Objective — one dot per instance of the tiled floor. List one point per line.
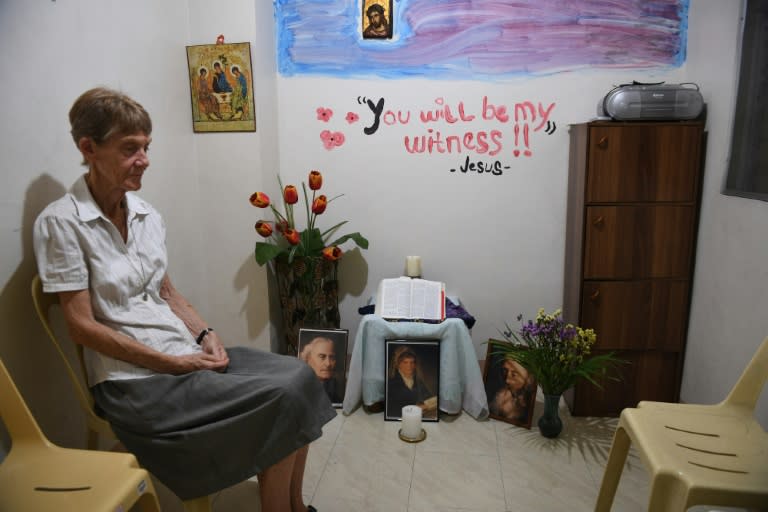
(464, 465)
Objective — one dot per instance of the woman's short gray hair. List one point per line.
(100, 113)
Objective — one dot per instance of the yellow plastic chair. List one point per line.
(697, 454)
(96, 424)
(38, 475)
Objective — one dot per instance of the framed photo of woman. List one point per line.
(413, 377)
(511, 389)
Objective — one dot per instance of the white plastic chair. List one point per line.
(697, 454)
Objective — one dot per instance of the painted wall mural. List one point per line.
(478, 39)
(443, 128)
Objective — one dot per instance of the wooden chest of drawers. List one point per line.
(632, 221)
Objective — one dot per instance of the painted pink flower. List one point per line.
(331, 139)
(352, 117)
(324, 114)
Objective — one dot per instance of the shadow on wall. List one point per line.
(252, 277)
(353, 274)
(24, 347)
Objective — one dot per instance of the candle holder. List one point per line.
(422, 436)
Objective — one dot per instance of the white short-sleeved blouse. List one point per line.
(78, 248)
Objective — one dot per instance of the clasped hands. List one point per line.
(213, 357)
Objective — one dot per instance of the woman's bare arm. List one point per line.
(183, 309)
(89, 332)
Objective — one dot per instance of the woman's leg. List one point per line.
(275, 485)
(297, 480)
(280, 484)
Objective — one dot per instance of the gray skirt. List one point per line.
(204, 431)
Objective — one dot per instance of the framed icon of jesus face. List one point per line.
(377, 19)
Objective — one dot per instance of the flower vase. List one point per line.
(308, 292)
(550, 424)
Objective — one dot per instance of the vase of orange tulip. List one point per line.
(309, 296)
(304, 262)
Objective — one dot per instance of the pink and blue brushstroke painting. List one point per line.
(471, 39)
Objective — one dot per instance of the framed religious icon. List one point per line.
(377, 19)
(221, 87)
(511, 389)
(412, 378)
(325, 351)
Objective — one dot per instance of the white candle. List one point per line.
(413, 266)
(411, 422)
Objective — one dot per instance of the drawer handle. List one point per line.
(594, 295)
(603, 142)
(599, 221)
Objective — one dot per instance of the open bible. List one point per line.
(403, 298)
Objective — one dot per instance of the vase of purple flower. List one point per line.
(558, 354)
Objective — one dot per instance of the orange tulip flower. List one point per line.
(332, 253)
(319, 204)
(264, 228)
(292, 236)
(290, 194)
(260, 199)
(315, 180)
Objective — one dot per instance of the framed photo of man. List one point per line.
(412, 378)
(221, 87)
(377, 19)
(511, 389)
(325, 351)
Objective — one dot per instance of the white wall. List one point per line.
(728, 315)
(230, 167)
(497, 241)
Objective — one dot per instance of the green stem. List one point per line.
(278, 215)
(314, 217)
(306, 204)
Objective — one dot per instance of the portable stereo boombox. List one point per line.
(652, 102)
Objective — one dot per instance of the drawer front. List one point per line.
(643, 163)
(647, 375)
(633, 242)
(639, 315)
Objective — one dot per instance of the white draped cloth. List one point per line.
(461, 381)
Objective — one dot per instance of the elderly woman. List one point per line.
(198, 416)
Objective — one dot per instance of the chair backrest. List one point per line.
(747, 390)
(14, 412)
(43, 303)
